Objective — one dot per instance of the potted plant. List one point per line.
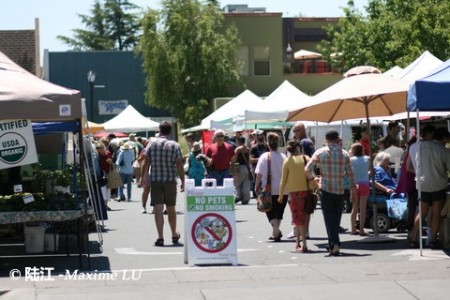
(62, 181)
(42, 178)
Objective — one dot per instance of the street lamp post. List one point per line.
(91, 80)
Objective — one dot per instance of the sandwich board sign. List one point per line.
(17, 146)
(210, 229)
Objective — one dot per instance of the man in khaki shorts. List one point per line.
(163, 157)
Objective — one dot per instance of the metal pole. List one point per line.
(91, 99)
(419, 186)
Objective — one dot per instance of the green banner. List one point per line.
(210, 203)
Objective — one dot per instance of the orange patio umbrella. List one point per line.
(92, 127)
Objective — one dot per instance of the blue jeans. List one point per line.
(219, 176)
(332, 205)
(126, 179)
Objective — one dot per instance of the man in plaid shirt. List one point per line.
(164, 157)
(334, 163)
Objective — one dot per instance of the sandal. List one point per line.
(278, 237)
(304, 250)
(298, 249)
(335, 251)
(159, 243)
(175, 239)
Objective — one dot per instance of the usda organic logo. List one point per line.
(13, 148)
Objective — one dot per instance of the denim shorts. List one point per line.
(430, 197)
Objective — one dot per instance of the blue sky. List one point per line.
(59, 17)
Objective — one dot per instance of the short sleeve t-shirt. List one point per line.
(220, 155)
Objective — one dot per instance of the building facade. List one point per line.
(266, 40)
(22, 47)
(119, 81)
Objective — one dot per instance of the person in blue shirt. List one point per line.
(124, 164)
(383, 179)
(196, 167)
(360, 164)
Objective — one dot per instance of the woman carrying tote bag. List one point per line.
(276, 163)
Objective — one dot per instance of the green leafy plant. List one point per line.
(42, 202)
(40, 177)
(62, 177)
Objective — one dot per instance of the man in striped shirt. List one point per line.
(334, 163)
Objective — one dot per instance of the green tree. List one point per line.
(391, 32)
(113, 25)
(189, 58)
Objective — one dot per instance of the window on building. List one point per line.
(242, 61)
(261, 62)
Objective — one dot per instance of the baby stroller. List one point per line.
(391, 212)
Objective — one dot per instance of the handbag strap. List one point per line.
(245, 159)
(269, 173)
(306, 178)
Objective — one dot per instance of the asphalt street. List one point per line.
(267, 270)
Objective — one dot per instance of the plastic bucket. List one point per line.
(34, 239)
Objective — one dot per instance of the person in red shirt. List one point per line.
(364, 141)
(220, 155)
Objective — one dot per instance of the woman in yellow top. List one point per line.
(293, 179)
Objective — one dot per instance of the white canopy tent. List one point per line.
(237, 106)
(394, 71)
(423, 65)
(277, 105)
(130, 120)
(420, 67)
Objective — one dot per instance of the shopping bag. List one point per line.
(264, 200)
(114, 179)
(397, 206)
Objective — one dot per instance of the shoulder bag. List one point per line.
(114, 179)
(264, 201)
(311, 199)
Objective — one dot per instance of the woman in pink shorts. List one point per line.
(360, 164)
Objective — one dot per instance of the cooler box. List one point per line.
(34, 239)
(51, 242)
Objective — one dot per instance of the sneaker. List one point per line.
(144, 211)
(291, 234)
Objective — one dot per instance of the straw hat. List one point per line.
(196, 147)
(125, 146)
